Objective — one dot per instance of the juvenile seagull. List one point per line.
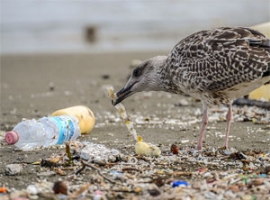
(215, 66)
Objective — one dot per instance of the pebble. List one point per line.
(202, 176)
(32, 189)
(174, 149)
(60, 187)
(211, 173)
(47, 173)
(13, 169)
(247, 197)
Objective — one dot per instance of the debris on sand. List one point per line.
(122, 111)
(141, 147)
(190, 174)
(145, 149)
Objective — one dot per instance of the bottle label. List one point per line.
(66, 128)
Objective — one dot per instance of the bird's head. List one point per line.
(145, 77)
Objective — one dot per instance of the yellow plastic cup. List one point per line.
(82, 113)
(262, 92)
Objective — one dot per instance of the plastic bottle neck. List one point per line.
(12, 137)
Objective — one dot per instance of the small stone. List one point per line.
(105, 76)
(13, 169)
(137, 189)
(258, 181)
(267, 170)
(48, 173)
(159, 181)
(60, 187)
(32, 189)
(234, 188)
(247, 197)
(154, 192)
(182, 102)
(51, 86)
(174, 149)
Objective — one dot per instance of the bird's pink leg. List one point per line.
(229, 119)
(204, 124)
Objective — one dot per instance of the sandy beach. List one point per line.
(33, 86)
(56, 55)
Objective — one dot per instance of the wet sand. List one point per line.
(33, 86)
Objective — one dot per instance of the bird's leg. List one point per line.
(229, 119)
(204, 124)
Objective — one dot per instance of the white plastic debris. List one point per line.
(32, 189)
(13, 169)
(97, 153)
(122, 111)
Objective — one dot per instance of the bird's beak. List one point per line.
(124, 93)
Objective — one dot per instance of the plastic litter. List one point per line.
(179, 184)
(82, 113)
(45, 132)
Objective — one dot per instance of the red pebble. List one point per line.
(60, 187)
(174, 149)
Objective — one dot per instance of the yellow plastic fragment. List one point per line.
(254, 120)
(36, 163)
(145, 149)
(141, 148)
(82, 113)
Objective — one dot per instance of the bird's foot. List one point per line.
(223, 148)
(223, 151)
(199, 147)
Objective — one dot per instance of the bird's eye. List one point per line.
(136, 72)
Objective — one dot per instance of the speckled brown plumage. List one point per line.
(216, 66)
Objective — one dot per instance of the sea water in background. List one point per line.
(40, 26)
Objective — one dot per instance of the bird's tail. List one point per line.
(262, 43)
(267, 74)
(266, 44)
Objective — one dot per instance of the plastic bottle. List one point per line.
(45, 132)
(82, 113)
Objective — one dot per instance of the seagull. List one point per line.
(215, 66)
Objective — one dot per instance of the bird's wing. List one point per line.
(219, 59)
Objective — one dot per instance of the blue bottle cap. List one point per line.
(179, 183)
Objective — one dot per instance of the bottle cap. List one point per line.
(12, 137)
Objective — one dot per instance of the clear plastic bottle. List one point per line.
(82, 113)
(45, 132)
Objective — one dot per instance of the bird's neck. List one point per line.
(166, 79)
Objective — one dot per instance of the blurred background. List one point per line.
(64, 26)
